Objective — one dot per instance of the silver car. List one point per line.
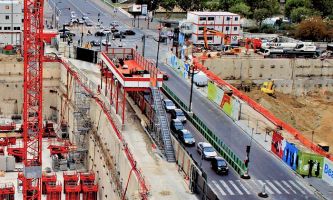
(168, 105)
(206, 150)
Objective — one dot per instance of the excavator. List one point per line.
(222, 35)
(268, 88)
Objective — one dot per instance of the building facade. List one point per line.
(225, 22)
(11, 22)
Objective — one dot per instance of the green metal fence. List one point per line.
(218, 144)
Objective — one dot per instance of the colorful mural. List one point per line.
(178, 65)
(290, 155)
(278, 144)
(310, 164)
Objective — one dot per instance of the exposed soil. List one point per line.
(313, 112)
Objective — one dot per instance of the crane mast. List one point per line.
(32, 105)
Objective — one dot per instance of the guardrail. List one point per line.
(233, 160)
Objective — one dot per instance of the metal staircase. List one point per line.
(162, 126)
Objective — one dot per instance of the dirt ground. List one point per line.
(313, 112)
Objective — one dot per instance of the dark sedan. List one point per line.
(95, 43)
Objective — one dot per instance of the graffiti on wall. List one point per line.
(310, 164)
(278, 144)
(228, 103)
(290, 155)
(178, 65)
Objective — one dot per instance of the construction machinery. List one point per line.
(268, 88)
(215, 33)
(253, 43)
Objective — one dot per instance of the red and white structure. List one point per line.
(135, 74)
(226, 22)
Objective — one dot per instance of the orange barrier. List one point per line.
(276, 121)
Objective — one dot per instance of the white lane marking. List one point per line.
(236, 188)
(267, 188)
(305, 187)
(227, 187)
(243, 187)
(219, 188)
(298, 188)
(273, 187)
(279, 184)
(286, 184)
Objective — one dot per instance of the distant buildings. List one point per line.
(226, 22)
(11, 22)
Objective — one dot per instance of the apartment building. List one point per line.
(11, 22)
(225, 22)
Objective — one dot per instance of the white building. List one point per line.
(11, 22)
(226, 22)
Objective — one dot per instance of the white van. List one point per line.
(200, 79)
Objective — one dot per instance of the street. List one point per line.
(264, 167)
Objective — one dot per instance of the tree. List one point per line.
(272, 6)
(188, 5)
(324, 6)
(292, 4)
(300, 13)
(212, 5)
(152, 4)
(227, 4)
(261, 14)
(242, 9)
(168, 4)
(313, 28)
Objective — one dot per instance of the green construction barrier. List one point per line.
(236, 163)
(304, 160)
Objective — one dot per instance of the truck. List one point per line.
(200, 79)
(298, 46)
(294, 53)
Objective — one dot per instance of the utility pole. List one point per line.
(143, 45)
(247, 160)
(191, 93)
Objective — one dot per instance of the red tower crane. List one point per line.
(33, 48)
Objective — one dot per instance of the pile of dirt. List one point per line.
(313, 112)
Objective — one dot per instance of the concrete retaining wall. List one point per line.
(291, 75)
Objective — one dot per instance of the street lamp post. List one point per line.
(247, 160)
(55, 10)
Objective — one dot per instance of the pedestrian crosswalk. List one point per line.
(252, 187)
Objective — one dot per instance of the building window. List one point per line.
(227, 28)
(211, 18)
(228, 18)
(17, 28)
(7, 7)
(236, 18)
(202, 18)
(7, 16)
(201, 28)
(209, 38)
(200, 38)
(0, 28)
(210, 28)
(235, 28)
(6, 28)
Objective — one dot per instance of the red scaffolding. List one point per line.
(53, 191)
(7, 191)
(48, 178)
(86, 178)
(89, 191)
(70, 178)
(72, 191)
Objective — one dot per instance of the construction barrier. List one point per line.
(234, 161)
(263, 111)
(328, 171)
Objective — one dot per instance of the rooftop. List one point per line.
(214, 13)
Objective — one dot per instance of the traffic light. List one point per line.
(248, 149)
(246, 162)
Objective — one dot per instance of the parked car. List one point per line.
(99, 33)
(88, 22)
(74, 20)
(178, 114)
(73, 14)
(219, 165)
(206, 150)
(186, 137)
(176, 126)
(106, 31)
(168, 105)
(104, 43)
(80, 21)
(165, 76)
(85, 17)
(114, 23)
(95, 43)
(129, 32)
(118, 35)
(113, 30)
(67, 34)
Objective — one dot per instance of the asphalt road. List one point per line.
(264, 167)
(281, 182)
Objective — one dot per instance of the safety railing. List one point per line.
(235, 162)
